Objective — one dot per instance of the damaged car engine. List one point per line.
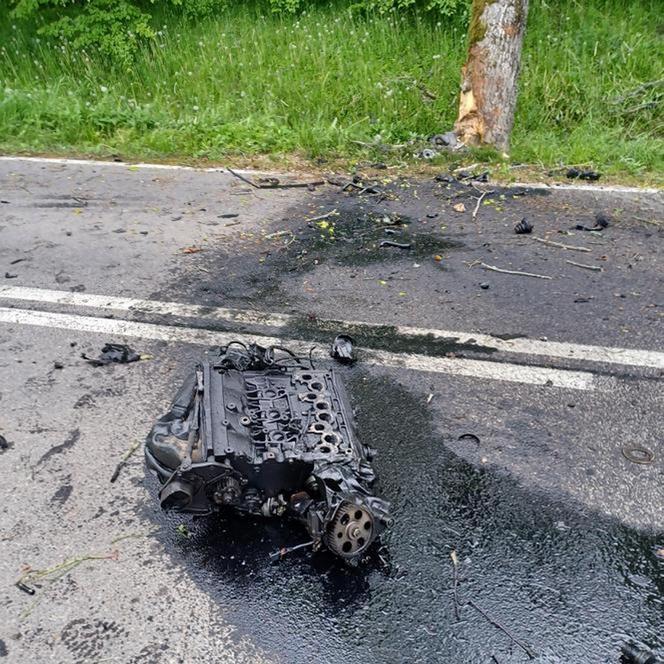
(262, 432)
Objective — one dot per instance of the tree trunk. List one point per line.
(489, 77)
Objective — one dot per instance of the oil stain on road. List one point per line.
(570, 584)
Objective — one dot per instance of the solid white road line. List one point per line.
(555, 349)
(576, 380)
(220, 169)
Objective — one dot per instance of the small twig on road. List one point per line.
(239, 176)
(273, 183)
(455, 566)
(479, 202)
(320, 217)
(595, 268)
(276, 234)
(493, 268)
(495, 623)
(560, 245)
(123, 460)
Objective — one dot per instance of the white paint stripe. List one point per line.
(125, 164)
(576, 380)
(556, 349)
(220, 169)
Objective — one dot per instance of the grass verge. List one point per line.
(334, 87)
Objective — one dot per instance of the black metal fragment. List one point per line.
(524, 227)
(601, 222)
(261, 432)
(342, 349)
(4, 444)
(25, 588)
(113, 353)
(399, 245)
(580, 174)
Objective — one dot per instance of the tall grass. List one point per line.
(323, 83)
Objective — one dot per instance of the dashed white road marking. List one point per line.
(220, 169)
(549, 349)
(576, 380)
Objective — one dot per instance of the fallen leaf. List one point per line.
(192, 250)
(460, 207)
(438, 258)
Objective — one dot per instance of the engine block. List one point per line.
(268, 435)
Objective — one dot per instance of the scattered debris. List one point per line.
(280, 414)
(228, 215)
(455, 582)
(276, 234)
(462, 175)
(438, 258)
(560, 245)
(471, 437)
(392, 243)
(4, 444)
(524, 227)
(58, 365)
(285, 550)
(460, 207)
(8, 275)
(495, 623)
(113, 353)
(637, 454)
(595, 268)
(17, 260)
(274, 183)
(429, 398)
(479, 202)
(193, 249)
(493, 268)
(484, 285)
(601, 222)
(659, 552)
(635, 654)
(576, 173)
(30, 576)
(327, 215)
(427, 153)
(342, 349)
(183, 530)
(123, 461)
(447, 140)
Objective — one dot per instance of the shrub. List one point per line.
(116, 28)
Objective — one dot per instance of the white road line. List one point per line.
(555, 349)
(220, 169)
(576, 380)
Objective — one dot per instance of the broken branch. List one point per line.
(595, 268)
(493, 268)
(479, 202)
(560, 245)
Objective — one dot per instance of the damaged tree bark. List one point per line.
(489, 76)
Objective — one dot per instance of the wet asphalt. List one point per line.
(557, 536)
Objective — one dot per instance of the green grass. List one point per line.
(319, 85)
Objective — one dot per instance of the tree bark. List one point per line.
(489, 76)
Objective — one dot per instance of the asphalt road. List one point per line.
(559, 537)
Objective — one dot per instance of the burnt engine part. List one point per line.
(260, 431)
